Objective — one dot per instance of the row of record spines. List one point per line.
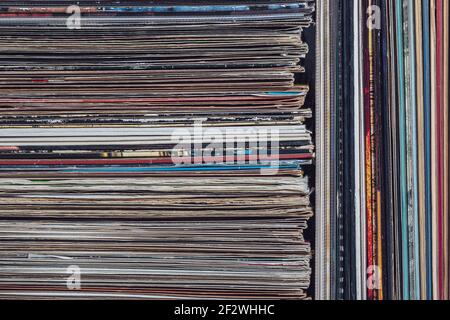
(345, 289)
(350, 266)
(381, 83)
(348, 270)
(326, 258)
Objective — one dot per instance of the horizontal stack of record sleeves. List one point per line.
(390, 229)
(155, 149)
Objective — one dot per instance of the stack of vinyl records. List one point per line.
(154, 149)
(392, 226)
